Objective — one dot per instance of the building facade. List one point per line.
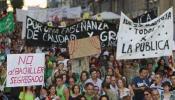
(3, 5)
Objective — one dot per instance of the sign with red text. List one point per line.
(25, 69)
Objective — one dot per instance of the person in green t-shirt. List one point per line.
(89, 93)
(62, 90)
(27, 94)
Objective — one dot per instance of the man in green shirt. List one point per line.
(62, 90)
(89, 93)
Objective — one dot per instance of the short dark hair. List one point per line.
(87, 84)
(60, 77)
(166, 83)
(148, 90)
(105, 85)
(104, 96)
(62, 55)
(141, 69)
(81, 96)
(93, 70)
(160, 74)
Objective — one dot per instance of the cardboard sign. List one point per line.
(84, 47)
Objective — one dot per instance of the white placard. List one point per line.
(25, 69)
(70, 13)
(35, 3)
(145, 40)
(45, 15)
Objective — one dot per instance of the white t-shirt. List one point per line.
(158, 87)
(124, 92)
(114, 89)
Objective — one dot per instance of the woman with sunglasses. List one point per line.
(147, 94)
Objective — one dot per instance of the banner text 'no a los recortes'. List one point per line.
(38, 34)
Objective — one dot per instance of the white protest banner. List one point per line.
(54, 14)
(73, 13)
(44, 15)
(21, 15)
(38, 14)
(145, 40)
(25, 69)
(35, 3)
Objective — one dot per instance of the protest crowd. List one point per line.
(106, 78)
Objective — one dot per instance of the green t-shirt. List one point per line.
(89, 97)
(60, 92)
(26, 96)
(48, 72)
